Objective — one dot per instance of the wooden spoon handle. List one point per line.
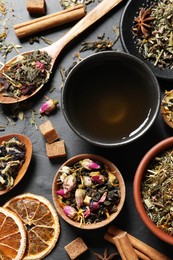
(99, 11)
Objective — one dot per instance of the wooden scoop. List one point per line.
(55, 49)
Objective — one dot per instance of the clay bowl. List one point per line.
(145, 163)
(110, 99)
(24, 139)
(113, 170)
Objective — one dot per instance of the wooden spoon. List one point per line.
(55, 49)
(23, 169)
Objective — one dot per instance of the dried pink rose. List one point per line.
(69, 183)
(48, 106)
(89, 164)
(79, 197)
(69, 211)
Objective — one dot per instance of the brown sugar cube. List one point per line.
(36, 6)
(49, 132)
(56, 149)
(76, 248)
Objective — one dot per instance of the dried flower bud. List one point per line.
(99, 179)
(79, 197)
(65, 169)
(87, 181)
(94, 205)
(103, 197)
(89, 164)
(40, 65)
(48, 106)
(87, 212)
(63, 194)
(69, 183)
(69, 211)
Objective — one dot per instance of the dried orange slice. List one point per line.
(12, 235)
(41, 221)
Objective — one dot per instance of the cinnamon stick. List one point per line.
(140, 255)
(124, 247)
(139, 245)
(50, 21)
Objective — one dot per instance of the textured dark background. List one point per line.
(41, 171)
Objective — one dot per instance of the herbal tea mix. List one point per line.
(153, 34)
(26, 74)
(88, 191)
(157, 192)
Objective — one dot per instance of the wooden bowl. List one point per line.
(145, 163)
(28, 145)
(112, 168)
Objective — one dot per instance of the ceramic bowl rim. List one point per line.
(156, 149)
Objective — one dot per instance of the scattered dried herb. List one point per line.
(105, 255)
(26, 74)
(6, 48)
(157, 191)
(88, 191)
(32, 120)
(153, 33)
(12, 157)
(69, 3)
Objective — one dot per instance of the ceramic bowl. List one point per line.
(145, 163)
(114, 170)
(110, 99)
(127, 38)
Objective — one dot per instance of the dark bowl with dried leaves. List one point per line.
(110, 99)
(146, 34)
(153, 190)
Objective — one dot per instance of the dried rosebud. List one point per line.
(94, 205)
(40, 65)
(87, 212)
(89, 164)
(103, 197)
(60, 192)
(65, 169)
(69, 211)
(87, 181)
(79, 197)
(69, 183)
(63, 194)
(48, 106)
(99, 179)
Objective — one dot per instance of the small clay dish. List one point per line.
(167, 108)
(28, 145)
(59, 204)
(144, 201)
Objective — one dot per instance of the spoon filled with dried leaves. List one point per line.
(24, 75)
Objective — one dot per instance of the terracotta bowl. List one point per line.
(113, 170)
(145, 163)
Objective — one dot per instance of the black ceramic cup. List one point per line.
(110, 98)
